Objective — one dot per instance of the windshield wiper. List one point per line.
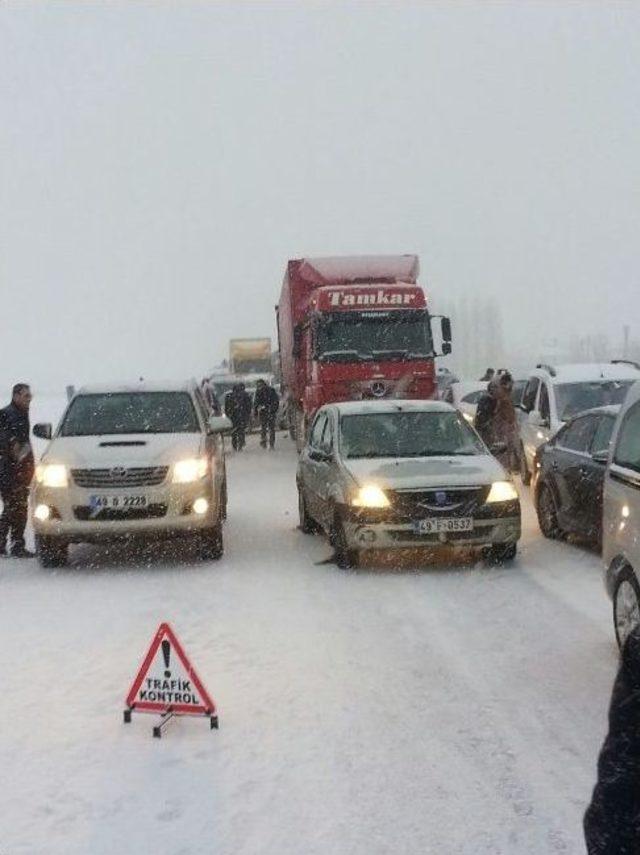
(344, 356)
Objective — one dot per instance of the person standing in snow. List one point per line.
(265, 407)
(612, 820)
(488, 376)
(496, 421)
(237, 406)
(16, 471)
(210, 396)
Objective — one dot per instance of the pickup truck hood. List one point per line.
(417, 473)
(150, 449)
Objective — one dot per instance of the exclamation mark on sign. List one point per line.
(166, 651)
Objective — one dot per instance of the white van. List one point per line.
(621, 518)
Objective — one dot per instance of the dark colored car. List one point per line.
(569, 475)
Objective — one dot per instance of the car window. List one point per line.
(529, 397)
(577, 436)
(473, 397)
(627, 451)
(602, 436)
(574, 398)
(545, 411)
(315, 438)
(518, 391)
(326, 441)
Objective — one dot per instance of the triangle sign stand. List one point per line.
(167, 683)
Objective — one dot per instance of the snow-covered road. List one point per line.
(446, 709)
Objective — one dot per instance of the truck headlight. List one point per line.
(502, 491)
(370, 496)
(52, 475)
(192, 469)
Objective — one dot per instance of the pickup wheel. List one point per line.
(346, 557)
(51, 551)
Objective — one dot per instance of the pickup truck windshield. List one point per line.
(355, 336)
(407, 434)
(130, 412)
(574, 398)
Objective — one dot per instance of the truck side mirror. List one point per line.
(297, 342)
(445, 326)
(446, 348)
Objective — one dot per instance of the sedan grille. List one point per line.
(120, 476)
(445, 501)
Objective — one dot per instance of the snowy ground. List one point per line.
(446, 709)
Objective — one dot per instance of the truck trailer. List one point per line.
(351, 328)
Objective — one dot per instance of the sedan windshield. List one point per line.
(375, 335)
(130, 412)
(408, 434)
(573, 398)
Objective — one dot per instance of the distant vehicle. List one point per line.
(569, 475)
(250, 356)
(391, 474)
(353, 329)
(555, 394)
(621, 518)
(464, 396)
(129, 462)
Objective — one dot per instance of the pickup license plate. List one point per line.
(98, 503)
(445, 524)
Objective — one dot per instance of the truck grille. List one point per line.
(445, 501)
(146, 476)
(86, 514)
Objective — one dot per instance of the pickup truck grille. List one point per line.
(146, 476)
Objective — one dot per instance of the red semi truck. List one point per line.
(352, 328)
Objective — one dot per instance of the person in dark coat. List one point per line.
(488, 376)
(16, 471)
(612, 820)
(265, 406)
(237, 406)
(495, 419)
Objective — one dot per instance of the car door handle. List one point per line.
(555, 466)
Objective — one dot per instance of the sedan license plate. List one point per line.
(120, 503)
(445, 524)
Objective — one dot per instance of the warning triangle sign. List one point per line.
(167, 681)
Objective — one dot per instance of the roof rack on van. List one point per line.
(626, 362)
(549, 368)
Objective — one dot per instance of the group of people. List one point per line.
(17, 468)
(495, 418)
(238, 408)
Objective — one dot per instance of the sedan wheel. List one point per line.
(547, 513)
(524, 469)
(626, 607)
(346, 558)
(307, 524)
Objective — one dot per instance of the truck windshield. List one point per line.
(408, 434)
(130, 412)
(573, 398)
(353, 336)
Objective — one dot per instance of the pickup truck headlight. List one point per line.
(502, 491)
(190, 470)
(52, 475)
(370, 496)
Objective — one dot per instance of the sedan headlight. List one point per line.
(502, 491)
(52, 475)
(192, 469)
(370, 496)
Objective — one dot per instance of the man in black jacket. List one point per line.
(265, 406)
(16, 470)
(237, 407)
(612, 820)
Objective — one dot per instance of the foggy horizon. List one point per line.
(161, 163)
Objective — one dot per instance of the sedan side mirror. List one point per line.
(320, 456)
(43, 431)
(536, 419)
(220, 424)
(601, 456)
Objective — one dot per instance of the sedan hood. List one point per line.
(425, 472)
(148, 449)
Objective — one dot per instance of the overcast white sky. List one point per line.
(161, 161)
